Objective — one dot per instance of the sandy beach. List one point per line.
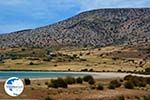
(96, 75)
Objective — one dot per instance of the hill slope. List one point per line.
(96, 28)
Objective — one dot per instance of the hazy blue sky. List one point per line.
(23, 14)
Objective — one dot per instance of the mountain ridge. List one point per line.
(100, 27)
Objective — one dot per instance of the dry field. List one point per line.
(111, 58)
(39, 91)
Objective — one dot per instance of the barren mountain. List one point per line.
(95, 28)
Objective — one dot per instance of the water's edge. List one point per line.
(48, 74)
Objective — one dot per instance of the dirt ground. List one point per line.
(39, 91)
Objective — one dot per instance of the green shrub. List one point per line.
(146, 97)
(100, 87)
(13, 56)
(128, 77)
(84, 70)
(111, 86)
(23, 49)
(147, 70)
(46, 83)
(81, 59)
(87, 78)
(27, 81)
(91, 81)
(31, 63)
(142, 84)
(70, 80)
(120, 98)
(91, 70)
(79, 80)
(129, 85)
(137, 81)
(148, 80)
(116, 83)
(56, 83)
(48, 98)
(75, 55)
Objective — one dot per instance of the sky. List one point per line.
(28, 14)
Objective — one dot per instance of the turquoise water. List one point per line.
(34, 74)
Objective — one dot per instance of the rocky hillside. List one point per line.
(96, 28)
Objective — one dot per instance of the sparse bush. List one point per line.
(115, 83)
(146, 97)
(56, 83)
(115, 58)
(148, 80)
(79, 80)
(119, 70)
(84, 70)
(91, 81)
(88, 53)
(46, 59)
(80, 54)
(31, 63)
(46, 83)
(27, 81)
(142, 84)
(137, 81)
(147, 70)
(38, 84)
(48, 98)
(23, 49)
(33, 58)
(120, 98)
(111, 86)
(128, 77)
(91, 70)
(13, 56)
(93, 87)
(121, 80)
(55, 65)
(129, 85)
(70, 80)
(99, 49)
(87, 78)
(75, 55)
(81, 59)
(100, 87)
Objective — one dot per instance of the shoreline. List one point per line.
(96, 75)
(143, 73)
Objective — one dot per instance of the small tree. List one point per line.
(116, 83)
(27, 81)
(48, 98)
(129, 85)
(79, 80)
(147, 70)
(87, 78)
(70, 80)
(100, 87)
(84, 70)
(111, 86)
(56, 83)
(91, 81)
(91, 70)
(31, 63)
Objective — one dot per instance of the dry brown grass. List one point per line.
(94, 60)
(73, 92)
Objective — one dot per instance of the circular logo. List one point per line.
(14, 86)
